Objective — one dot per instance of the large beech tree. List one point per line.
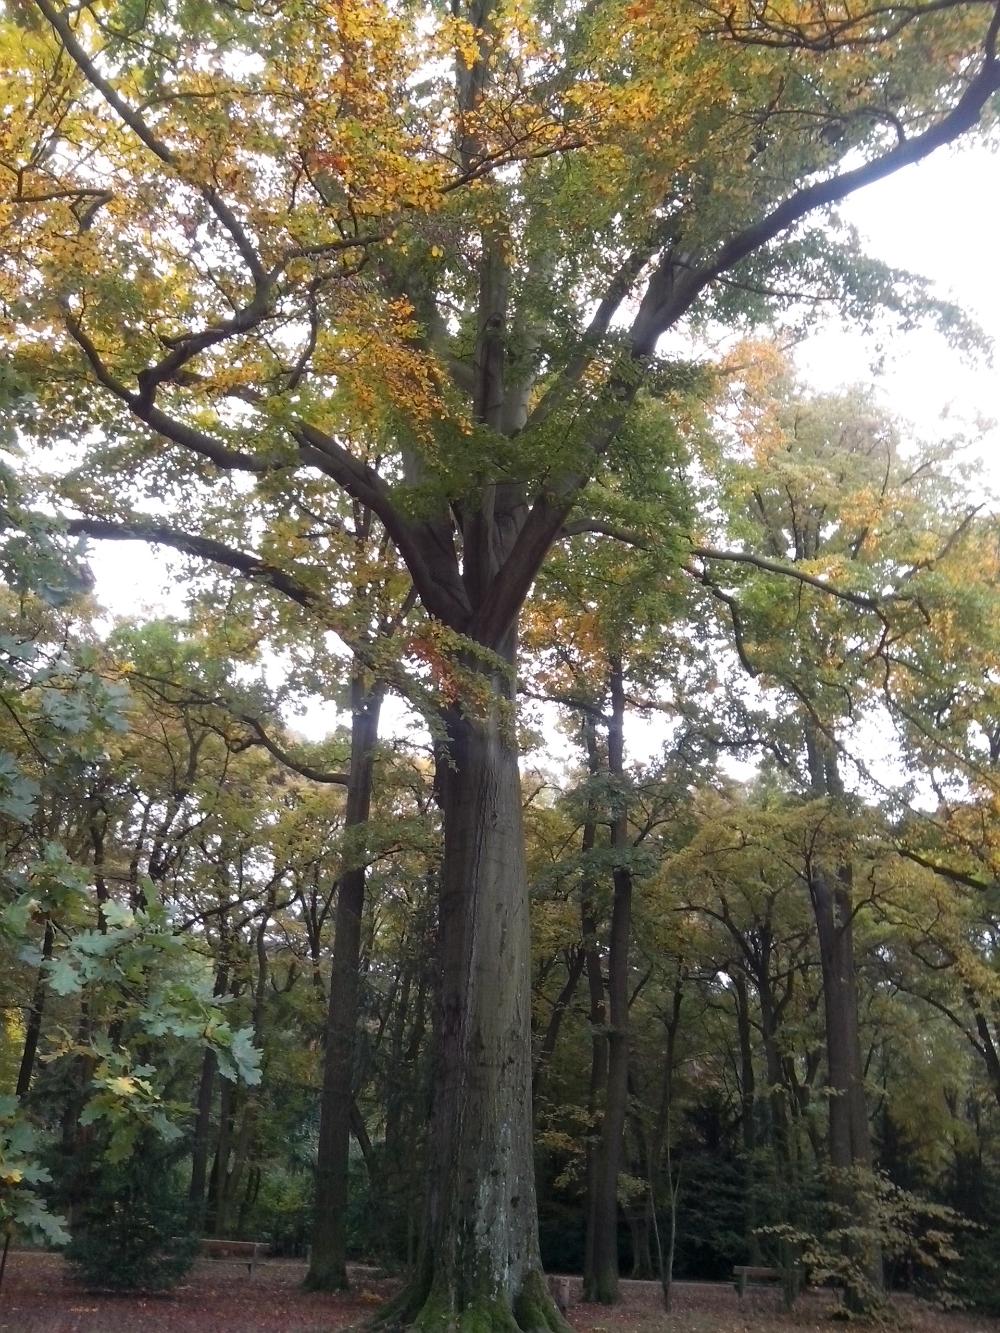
(235, 239)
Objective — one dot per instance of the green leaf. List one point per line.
(246, 1056)
(117, 914)
(63, 977)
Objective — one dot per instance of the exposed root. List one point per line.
(431, 1309)
(333, 1280)
(535, 1309)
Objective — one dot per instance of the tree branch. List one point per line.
(59, 20)
(207, 548)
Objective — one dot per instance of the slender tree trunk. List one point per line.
(405, 1117)
(598, 1071)
(215, 1220)
(200, 1142)
(33, 1027)
(638, 1211)
(600, 1279)
(748, 1102)
(203, 1120)
(328, 1260)
(480, 1267)
(547, 1045)
(986, 1045)
(598, 1014)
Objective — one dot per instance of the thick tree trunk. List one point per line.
(328, 1261)
(850, 1142)
(850, 1137)
(406, 1112)
(480, 1268)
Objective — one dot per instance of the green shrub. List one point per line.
(133, 1232)
(282, 1213)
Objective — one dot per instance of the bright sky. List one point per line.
(940, 219)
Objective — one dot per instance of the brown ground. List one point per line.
(219, 1297)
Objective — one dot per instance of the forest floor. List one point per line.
(40, 1296)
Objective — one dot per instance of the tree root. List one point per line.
(431, 1309)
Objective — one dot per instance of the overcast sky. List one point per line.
(940, 219)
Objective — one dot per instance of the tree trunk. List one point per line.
(849, 1131)
(200, 1142)
(850, 1137)
(598, 1067)
(547, 1046)
(219, 1179)
(480, 1267)
(203, 1119)
(33, 1027)
(600, 1279)
(328, 1261)
(598, 1009)
(748, 1105)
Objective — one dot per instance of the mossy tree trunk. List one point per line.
(480, 1267)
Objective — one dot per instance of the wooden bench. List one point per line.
(790, 1279)
(246, 1252)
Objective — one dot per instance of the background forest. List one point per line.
(641, 914)
(173, 855)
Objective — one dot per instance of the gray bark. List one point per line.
(328, 1260)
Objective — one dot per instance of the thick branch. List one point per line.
(208, 549)
(962, 118)
(296, 765)
(425, 547)
(946, 872)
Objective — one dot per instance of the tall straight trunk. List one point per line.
(600, 1278)
(200, 1141)
(598, 1067)
(406, 1113)
(777, 1111)
(833, 911)
(638, 1212)
(748, 1101)
(33, 1027)
(215, 1217)
(480, 1267)
(748, 1084)
(203, 1119)
(598, 1015)
(850, 1144)
(328, 1260)
(850, 1137)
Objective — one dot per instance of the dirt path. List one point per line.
(220, 1297)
